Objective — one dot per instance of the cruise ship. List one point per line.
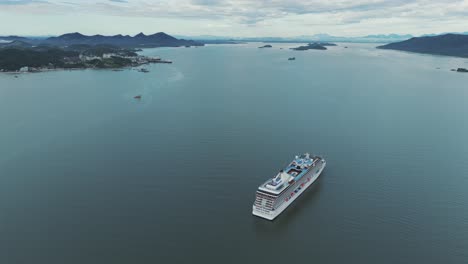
(276, 194)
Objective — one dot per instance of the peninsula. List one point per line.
(44, 58)
(448, 45)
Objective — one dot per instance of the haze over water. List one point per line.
(90, 175)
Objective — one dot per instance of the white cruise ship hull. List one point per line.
(272, 214)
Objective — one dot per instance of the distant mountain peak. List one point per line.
(140, 35)
(390, 36)
(14, 44)
(160, 34)
(72, 35)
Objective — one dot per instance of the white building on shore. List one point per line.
(88, 58)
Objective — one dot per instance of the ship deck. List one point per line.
(294, 170)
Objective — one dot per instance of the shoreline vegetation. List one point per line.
(41, 59)
(135, 67)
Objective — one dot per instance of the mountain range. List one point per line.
(305, 38)
(140, 40)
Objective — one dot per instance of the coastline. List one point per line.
(127, 67)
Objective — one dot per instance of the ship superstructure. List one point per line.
(276, 194)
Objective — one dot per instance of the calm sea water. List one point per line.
(90, 175)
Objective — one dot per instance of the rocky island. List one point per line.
(266, 46)
(448, 45)
(315, 46)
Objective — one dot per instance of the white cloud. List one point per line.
(242, 17)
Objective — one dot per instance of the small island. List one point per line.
(326, 44)
(315, 46)
(462, 70)
(266, 46)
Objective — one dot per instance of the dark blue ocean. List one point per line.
(90, 175)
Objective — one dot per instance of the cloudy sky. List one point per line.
(233, 17)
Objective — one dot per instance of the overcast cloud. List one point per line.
(233, 17)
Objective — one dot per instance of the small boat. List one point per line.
(292, 58)
(143, 70)
(137, 97)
